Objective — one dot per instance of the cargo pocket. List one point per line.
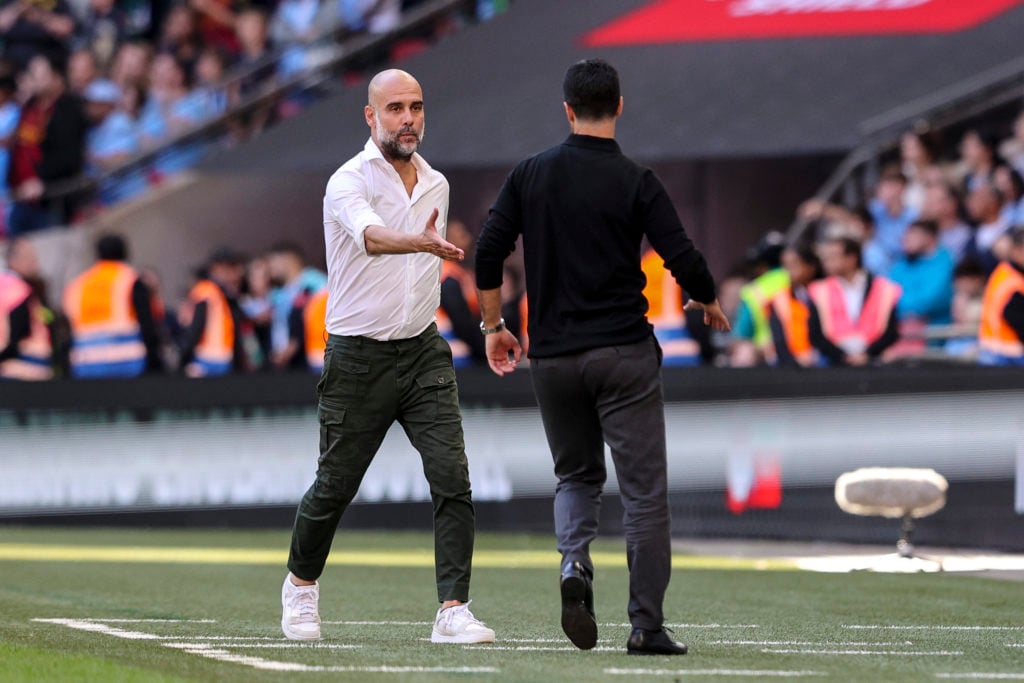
(444, 393)
(331, 418)
(345, 378)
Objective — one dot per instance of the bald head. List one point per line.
(394, 114)
(388, 82)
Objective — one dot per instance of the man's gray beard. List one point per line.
(392, 148)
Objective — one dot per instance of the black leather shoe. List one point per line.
(643, 642)
(578, 620)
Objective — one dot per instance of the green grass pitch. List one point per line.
(120, 605)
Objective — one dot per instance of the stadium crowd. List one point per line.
(88, 85)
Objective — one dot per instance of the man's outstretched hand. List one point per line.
(713, 314)
(432, 242)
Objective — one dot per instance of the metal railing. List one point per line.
(942, 108)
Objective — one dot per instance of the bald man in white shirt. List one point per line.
(385, 213)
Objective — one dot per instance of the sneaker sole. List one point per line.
(460, 640)
(578, 625)
(293, 635)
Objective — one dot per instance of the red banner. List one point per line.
(674, 21)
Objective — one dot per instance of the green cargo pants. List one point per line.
(366, 385)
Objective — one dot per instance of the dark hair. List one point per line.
(806, 252)
(291, 248)
(969, 267)
(851, 247)
(591, 88)
(893, 173)
(57, 65)
(864, 214)
(930, 227)
(1016, 181)
(1017, 235)
(111, 248)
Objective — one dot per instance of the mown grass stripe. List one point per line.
(509, 559)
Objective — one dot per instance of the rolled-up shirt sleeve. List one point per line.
(348, 200)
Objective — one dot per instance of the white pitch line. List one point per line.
(693, 626)
(757, 673)
(1015, 645)
(979, 676)
(267, 646)
(532, 640)
(83, 625)
(931, 627)
(914, 653)
(379, 623)
(805, 643)
(536, 648)
(152, 621)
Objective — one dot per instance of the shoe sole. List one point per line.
(292, 635)
(460, 640)
(577, 623)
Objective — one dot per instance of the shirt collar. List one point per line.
(591, 142)
(423, 169)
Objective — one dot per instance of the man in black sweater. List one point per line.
(583, 209)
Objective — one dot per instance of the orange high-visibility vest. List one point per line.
(665, 313)
(874, 316)
(35, 350)
(460, 350)
(314, 322)
(793, 315)
(994, 334)
(106, 338)
(216, 349)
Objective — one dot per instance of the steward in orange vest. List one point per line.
(666, 315)
(25, 349)
(458, 316)
(788, 312)
(1001, 334)
(110, 312)
(841, 335)
(314, 327)
(212, 343)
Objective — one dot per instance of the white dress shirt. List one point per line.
(854, 291)
(390, 296)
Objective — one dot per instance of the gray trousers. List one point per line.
(365, 387)
(611, 395)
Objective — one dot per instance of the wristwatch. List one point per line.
(491, 330)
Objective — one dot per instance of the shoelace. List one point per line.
(303, 605)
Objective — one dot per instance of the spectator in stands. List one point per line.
(968, 295)
(942, 205)
(458, 316)
(1009, 182)
(788, 312)
(257, 65)
(978, 154)
(917, 156)
(9, 114)
(25, 347)
(211, 344)
(169, 112)
(110, 308)
(208, 99)
(113, 140)
(891, 216)
(751, 334)
(852, 312)
(217, 20)
(1012, 149)
(1001, 335)
(925, 274)
(179, 36)
(36, 27)
(259, 311)
(294, 282)
(48, 149)
(23, 261)
(295, 25)
(372, 16)
(131, 64)
(985, 206)
(101, 28)
(82, 70)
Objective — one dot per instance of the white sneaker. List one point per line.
(300, 619)
(458, 625)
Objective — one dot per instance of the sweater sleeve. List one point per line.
(668, 237)
(498, 237)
